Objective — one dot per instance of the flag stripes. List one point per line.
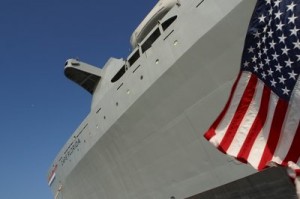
(260, 123)
(256, 135)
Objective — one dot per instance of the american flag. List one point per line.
(260, 122)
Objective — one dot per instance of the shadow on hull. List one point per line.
(271, 183)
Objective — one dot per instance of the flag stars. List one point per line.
(278, 67)
(270, 72)
(294, 31)
(246, 64)
(279, 26)
(261, 65)
(258, 44)
(292, 19)
(277, 2)
(272, 44)
(273, 83)
(285, 50)
(256, 34)
(254, 59)
(285, 91)
(259, 54)
(282, 79)
(297, 44)
(268, 2)
(273, 52)
(251, 49)
(267, 60)
(262, 18)
(264, 38)
(282, 38)
(289, 63)
(275, 56)
(270, 33)
(271, 11)
(265, 49)
(264, 75)
(278, 14)
(270, 22)
(291, 7)
(292, 75)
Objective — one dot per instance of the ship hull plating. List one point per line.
(272, 183)
(144, 139)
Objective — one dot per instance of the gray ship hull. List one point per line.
(144, 138)
(271, 183)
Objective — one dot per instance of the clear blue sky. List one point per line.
(40, 108)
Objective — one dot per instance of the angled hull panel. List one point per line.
(144, 139)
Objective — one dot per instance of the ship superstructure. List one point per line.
(143, 136)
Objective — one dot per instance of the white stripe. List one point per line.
(290, 126)
(291, 171)
(297, 185)
(261, 141)
(247, 122)
(52, 179)
(223, 126)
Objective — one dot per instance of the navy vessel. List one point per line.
(142, 138)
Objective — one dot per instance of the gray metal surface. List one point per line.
(271, 183)
(143, 138)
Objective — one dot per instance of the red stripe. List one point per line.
(274, 135)
(52, 172)
(211, 132)
(257, 125)
(294, 152)
(297, 172)
(239, 114)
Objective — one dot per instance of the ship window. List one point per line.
(133, 58)
(119, 74)
(148, 43)
(168, 22)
